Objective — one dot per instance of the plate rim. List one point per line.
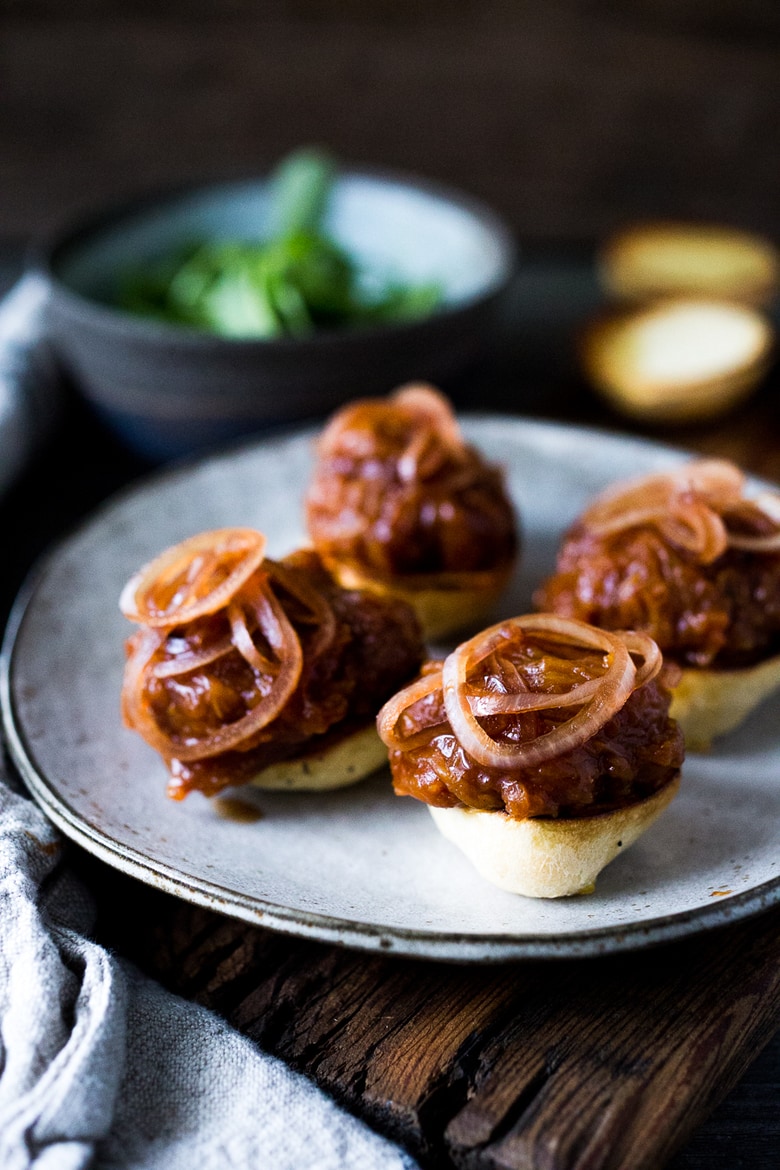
(314, 925)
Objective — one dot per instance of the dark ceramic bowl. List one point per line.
(169, 390)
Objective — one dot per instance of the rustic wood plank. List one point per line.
(743, 1131)
(633, 1057)
(606, 1064)
(471, 1067)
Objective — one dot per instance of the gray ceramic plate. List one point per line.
(358, 866)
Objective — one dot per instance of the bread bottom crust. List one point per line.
(709, 703)
(337, 764)
(547, 857)
(441, 609)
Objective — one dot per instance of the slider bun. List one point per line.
(709, 703)
(442, 606)
(664, 259)
(544, 857)
(337, 764)
(677, 360)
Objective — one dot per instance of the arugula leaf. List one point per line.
(300, 191)
(293, 283)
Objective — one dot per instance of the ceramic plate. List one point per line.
(358, 866)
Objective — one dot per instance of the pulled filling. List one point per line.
(684, 557)
(538, 716)
(397, 491)
(242, 661)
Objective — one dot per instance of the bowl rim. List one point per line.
(72, 231)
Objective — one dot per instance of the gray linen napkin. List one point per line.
(29, 394)
(99, 1066)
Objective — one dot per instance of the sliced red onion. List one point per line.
(320, 609)
(192, 659)
(486, 704)
(280, 635)
(194, 578)
(425, 401)
(686, 506)
(616, 685)
(390, 715)
(769, 504)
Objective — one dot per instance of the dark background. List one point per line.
(569, 118)
(566, 116)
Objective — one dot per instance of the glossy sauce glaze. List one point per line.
(372, 646)
(725, 613)
(550, 754)
(397, 491)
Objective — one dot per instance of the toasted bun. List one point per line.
(340, 763)
(548, 858)
(665, 259)
(709, 703)
(677, 360)
(441, 608)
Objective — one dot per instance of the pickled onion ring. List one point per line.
(391, 713)
(643, 646)
(242, 639)
(617, 684)
(419, 405)
(280, 635)
(424, 400)
(515, 704)
(192, 659)
(718, 479)
(142, 647)
(194, 578)
(440, 426)
(769, 504)
(686, 506)
(320, 609)
(598, 699)
(696, 527)
(484, 703)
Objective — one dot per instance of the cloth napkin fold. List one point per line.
(29, 387)
(99, 1066)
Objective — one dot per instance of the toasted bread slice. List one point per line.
(547, 857)
(336, 764)
(667, 259)
(677, 360)
(444, 603)
(710, 703)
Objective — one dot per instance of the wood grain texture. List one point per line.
(605, 1064)
(608, 1064)
(600, 1065)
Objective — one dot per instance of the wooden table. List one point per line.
(604, 1064)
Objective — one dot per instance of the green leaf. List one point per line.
(300, 189)
(297, 281)
(406, 302)
(290, 305)
(238, 306)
